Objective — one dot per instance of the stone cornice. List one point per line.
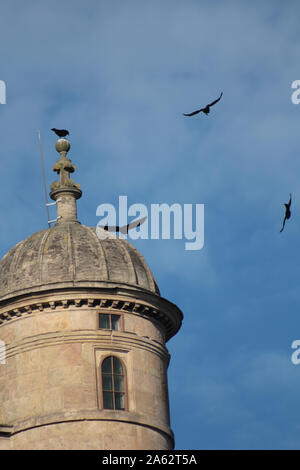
(6, 430)
(150, 306)
(86, 415)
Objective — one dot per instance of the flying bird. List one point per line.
(60, 132)
(125, 228)
(205, 110)
(287, 212)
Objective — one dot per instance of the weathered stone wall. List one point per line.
(90, 435)
(50, 385)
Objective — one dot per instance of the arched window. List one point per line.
(113, 384)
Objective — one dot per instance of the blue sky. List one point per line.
(119, 75)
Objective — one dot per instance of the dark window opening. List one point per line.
(113, 384)
(108, 321)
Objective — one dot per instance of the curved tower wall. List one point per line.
(50, 386)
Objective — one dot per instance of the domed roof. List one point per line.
(71, 255)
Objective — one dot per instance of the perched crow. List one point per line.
(60, 132)
(125, 228)
(287, 212)
(206, 109)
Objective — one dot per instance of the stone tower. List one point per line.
(84, 329)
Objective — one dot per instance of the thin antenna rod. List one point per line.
(44, 179)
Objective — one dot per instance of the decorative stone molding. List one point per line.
(117, 341)
(86, 415)
(168, 320)
(6, 430)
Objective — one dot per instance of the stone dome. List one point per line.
(71, 255)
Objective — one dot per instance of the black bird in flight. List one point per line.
(205, 110)
(287, 212)
(125, 228)
(60, 132)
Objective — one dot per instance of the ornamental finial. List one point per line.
(65, 191)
